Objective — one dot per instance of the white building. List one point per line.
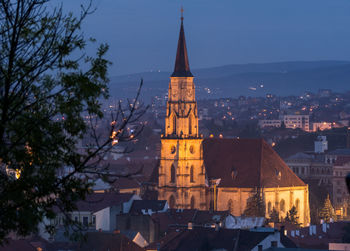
(106, 216)
(97, 212)
(321, 144)
(297, 121)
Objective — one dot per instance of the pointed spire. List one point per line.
(182, 67)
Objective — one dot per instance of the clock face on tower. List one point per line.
(189, 93)
(174, 93)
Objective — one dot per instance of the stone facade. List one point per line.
(182, 174)
(281, 198)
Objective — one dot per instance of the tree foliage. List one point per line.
(255, 204)
(274, 216)
(45, 100)
(292, 216)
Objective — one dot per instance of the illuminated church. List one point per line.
(217, 173)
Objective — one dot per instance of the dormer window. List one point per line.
(278, 174)
(234, 173)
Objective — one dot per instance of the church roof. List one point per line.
(182, 67)
(301, 155)
(246, 163)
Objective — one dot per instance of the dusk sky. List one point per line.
(142, 34)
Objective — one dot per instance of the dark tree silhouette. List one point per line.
(46, 94)
(292, 216)
(255, 204)
(274, 216)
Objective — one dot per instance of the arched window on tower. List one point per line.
(190, 125)
(172, 173)
(192, 174)
(192, 202)
(174, 124)
(172, 201)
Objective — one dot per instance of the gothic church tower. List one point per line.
(181, 169)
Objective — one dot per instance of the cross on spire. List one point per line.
(182, 13)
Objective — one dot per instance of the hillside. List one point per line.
(285, 78)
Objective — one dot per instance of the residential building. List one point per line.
(221, 239)
(269, 123)
(341, 198)
(106, 213)
(311, 166)
(318, 236)
(148, 206)
(108, 241)
(98, 211)
(297, 121)
(321, 126)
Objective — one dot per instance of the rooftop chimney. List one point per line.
(274, 244)
(282, 230)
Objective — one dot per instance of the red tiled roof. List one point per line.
(246, 163)
(139, 205)
(175, 217)
(97, 201)
(108, 241)
(125, 183)
(209, 239)
(334, 233)
(14, 245)
(341, 160)
(141, 169)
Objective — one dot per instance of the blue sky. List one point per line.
(142, 34)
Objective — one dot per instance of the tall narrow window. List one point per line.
(297, 204)
(192, 202)
(172, 173)
(192, 174)
(282, 206)
(174, 125)
(190, 125)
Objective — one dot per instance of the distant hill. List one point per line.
(285, 78)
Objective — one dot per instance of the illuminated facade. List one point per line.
(181, 171)
(218, 174)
